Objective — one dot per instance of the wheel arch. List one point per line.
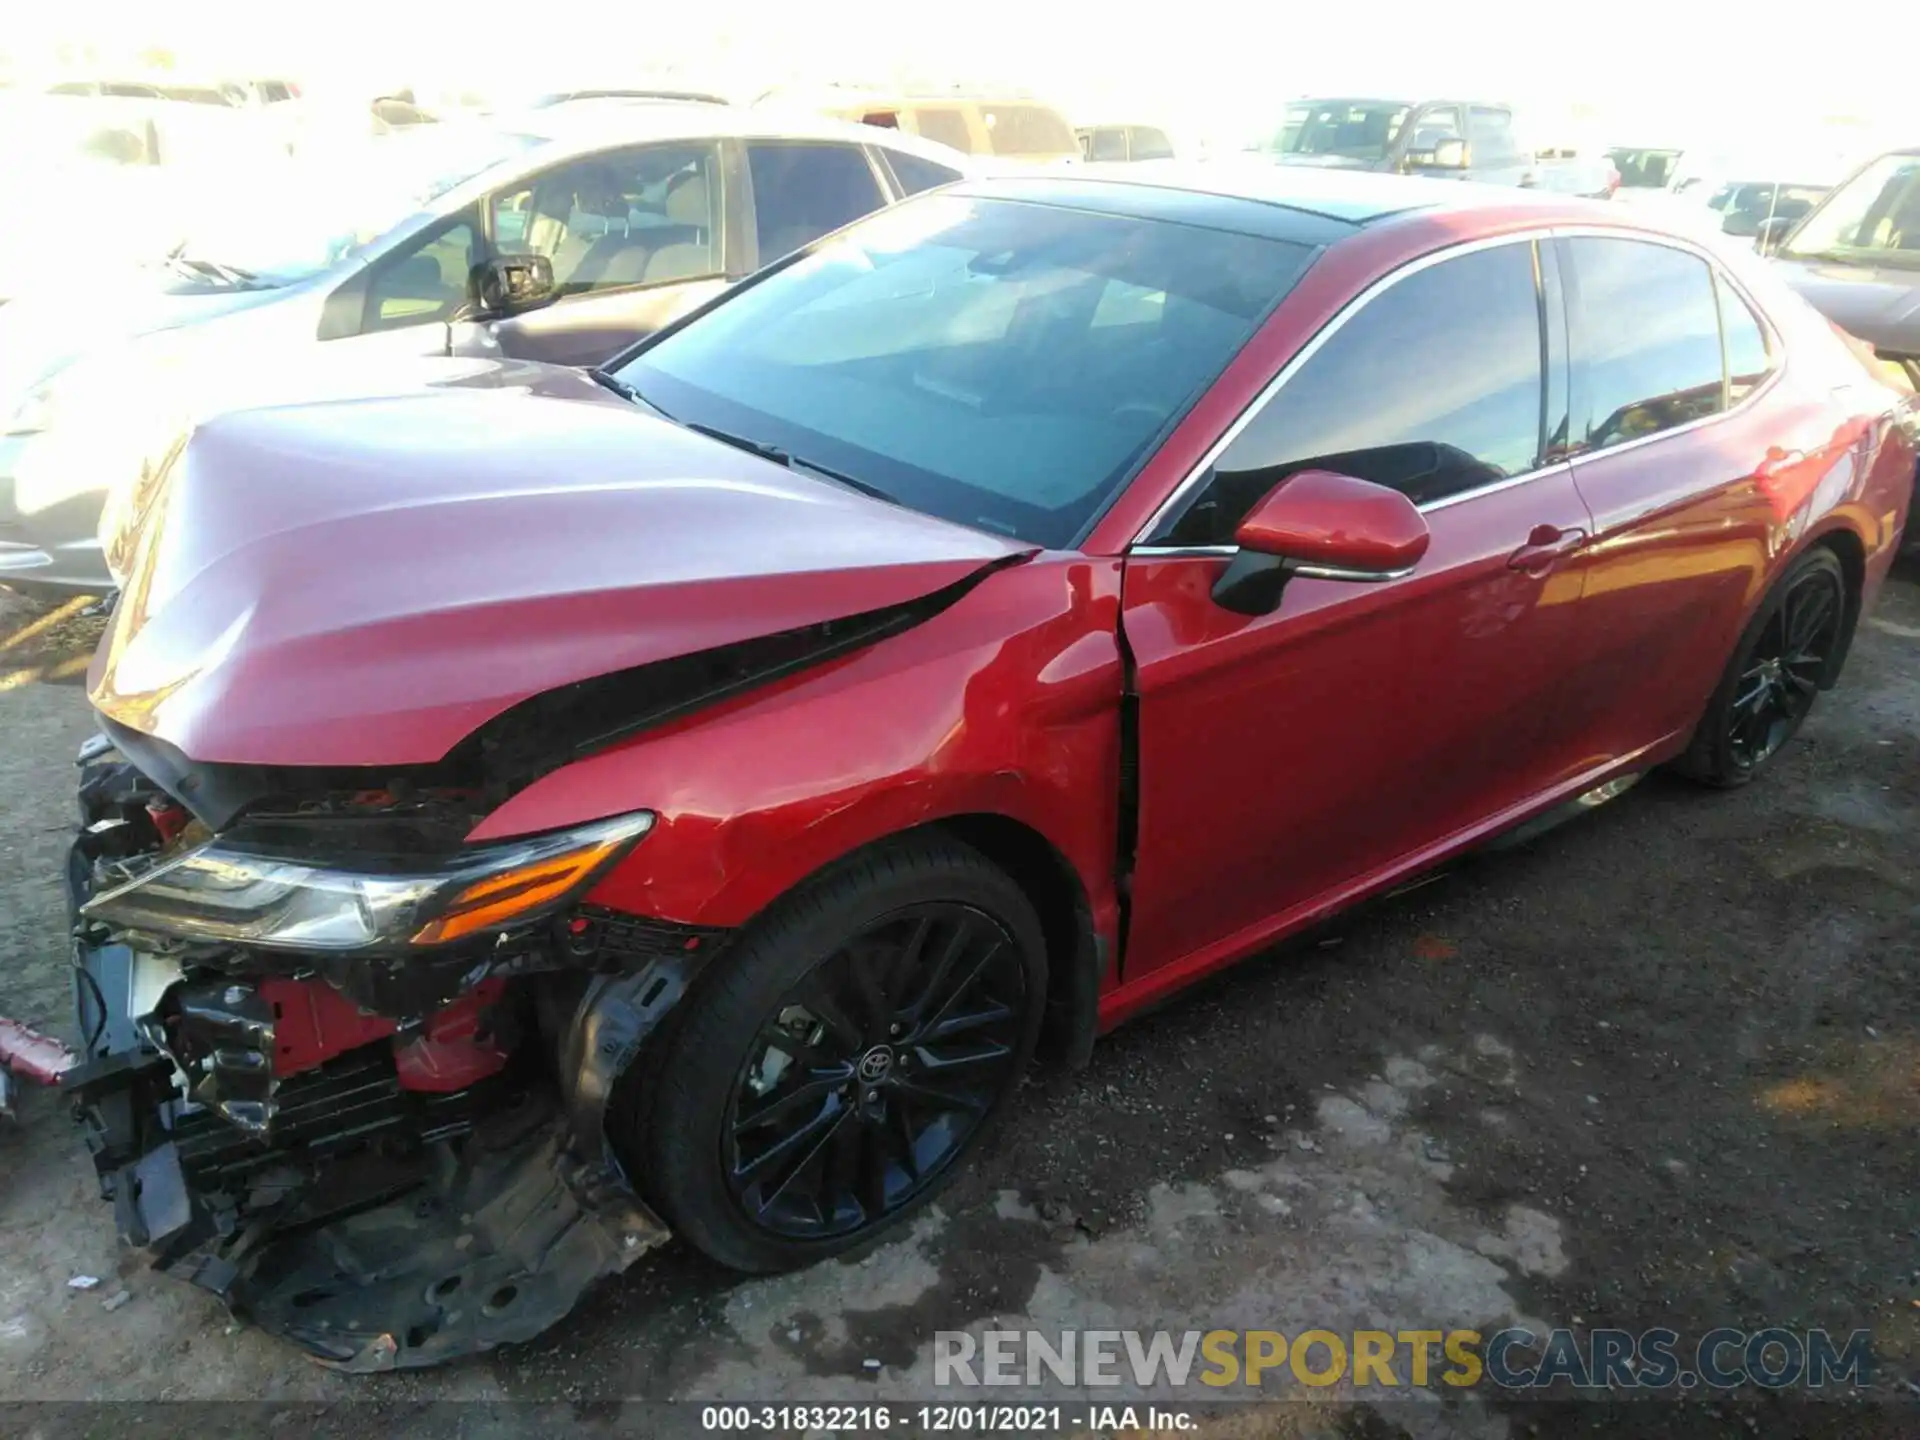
(1851, 551)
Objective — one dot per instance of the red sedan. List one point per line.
(545, 809)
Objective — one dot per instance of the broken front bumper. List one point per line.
(382, 1258)
(418, 1190)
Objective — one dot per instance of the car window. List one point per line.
(422, 282)
(1151, 144)
(944, 124)
(914, 173)
(803, 190)
(1644, 169)
(1490, 136)
(1106, 142)
(1646, 339)
(1027, 130)
(643, 216)
(1433, 125)
(1000, 364)
(1433, 388)
(1748, 359)
(1873, 218)
(1350, 129)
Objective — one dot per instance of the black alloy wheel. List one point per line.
(1790, 650)
(1785, 667)
(831, 1068)
(874, 1071)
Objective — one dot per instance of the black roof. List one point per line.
(1303, 203)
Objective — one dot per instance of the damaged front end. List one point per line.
(350, 1074)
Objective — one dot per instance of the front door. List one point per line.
(1289, 761)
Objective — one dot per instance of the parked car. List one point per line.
(1124, 143)
(688, 795)
(1856, 256)
(1463, 139)
(1570, 170)
(574, 97)
(1645, 171)
(561, 237)
(1014, 128)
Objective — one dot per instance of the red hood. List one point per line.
(366, 581)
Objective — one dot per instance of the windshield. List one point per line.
(303, 217)
(1001, 364)
(1349, 129)
(1874, 218)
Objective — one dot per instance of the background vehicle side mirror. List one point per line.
(511, 282)
(1771, 231)
(1322, 526)
(1448, 154)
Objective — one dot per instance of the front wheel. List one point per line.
(1787, 653)
(854, 1044)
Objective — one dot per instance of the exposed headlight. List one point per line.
(229, 892)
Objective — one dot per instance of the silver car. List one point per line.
(561, 236)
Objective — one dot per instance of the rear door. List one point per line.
(636, 237)
(1686, 476)
(1289, 760)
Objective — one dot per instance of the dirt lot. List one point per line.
(1661, 1067)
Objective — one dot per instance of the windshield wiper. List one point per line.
(787, 458)
(212, 270)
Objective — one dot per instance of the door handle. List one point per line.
(1546, 545)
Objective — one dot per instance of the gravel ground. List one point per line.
(1660, 1067)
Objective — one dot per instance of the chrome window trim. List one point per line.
(1198, 472)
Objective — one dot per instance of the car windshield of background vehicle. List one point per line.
(335, 204)
(1873, 218)
(1000, 364)
(1344, 129)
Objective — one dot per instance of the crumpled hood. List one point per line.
(367, 581)
(1879, 304)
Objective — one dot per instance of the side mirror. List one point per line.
(1771, 231)
(511, 282)
(1448, 154)
(1321, 526)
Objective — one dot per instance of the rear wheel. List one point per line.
(1785, 656)
(854, 1045)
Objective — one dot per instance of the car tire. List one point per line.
(824, 1016)
(1788, 653)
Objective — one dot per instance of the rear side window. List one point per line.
(800, 192)
(1646, 340)
(1748, 359)
(916, 174)
(949, 127)
(1490, 136)
(1027, 130)
(1108, 142)
(1432, 388)
(1151, 144)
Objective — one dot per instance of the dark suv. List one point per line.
(1469, 139)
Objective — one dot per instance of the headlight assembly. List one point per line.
(226, 891)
